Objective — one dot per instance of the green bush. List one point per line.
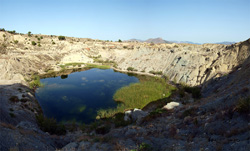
(61, 37)
(131, 69)
(53, 43)
(2, 29)
(39, 45)
(33, 43)
(119, 40)
(50, 125)
(15, 41)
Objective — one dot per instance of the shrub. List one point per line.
(243, 105)
(53, 43)
(38, 39)
(156, 72)
(119, 40)
(39, 45)
(61, 37)
(2, 29)
(29, 33)
(4, 35)
(41, 37)
(33, 43)
(50, 125)
(15, 41)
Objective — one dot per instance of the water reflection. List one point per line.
(79, 95)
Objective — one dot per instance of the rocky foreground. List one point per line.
(213, 122)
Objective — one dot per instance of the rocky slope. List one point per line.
(211, 123)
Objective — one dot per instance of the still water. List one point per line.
(78, 96)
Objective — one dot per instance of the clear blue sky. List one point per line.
(183, 20)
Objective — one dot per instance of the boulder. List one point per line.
(171, 105)
(138, 114)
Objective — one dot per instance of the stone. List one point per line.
(171, 105)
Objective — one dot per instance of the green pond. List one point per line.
(79, 95)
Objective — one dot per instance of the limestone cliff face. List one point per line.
(189, 63)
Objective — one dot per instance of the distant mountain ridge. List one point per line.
(226, 42)
(160, 40)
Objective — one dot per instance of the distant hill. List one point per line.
(157, 41)
(226, 43)
(186, 42)
(151, 40)
(132, 40)
(160, 40)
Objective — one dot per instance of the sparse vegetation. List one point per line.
(243, 105)
(12, 32)
(3, 49)
(50, 125)
(35, 82)
(15, 41)
(119, 40)
(61, 37)
(189, 112)
(97, 66)
(145, 147)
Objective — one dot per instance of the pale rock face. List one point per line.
(171, 105)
